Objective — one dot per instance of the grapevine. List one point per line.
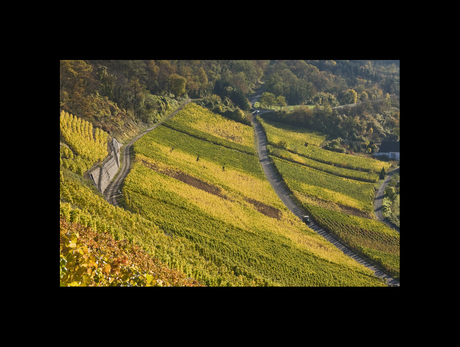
(78, 134)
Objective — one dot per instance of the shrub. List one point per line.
(282, 144)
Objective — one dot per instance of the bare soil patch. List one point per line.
(183, 177)
(265, 209)
(209, 188)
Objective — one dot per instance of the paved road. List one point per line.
(379, 199)
(111, 192)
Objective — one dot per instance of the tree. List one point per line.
(390, 193)
(349, 97)
(363, 96)
(281, 101)
(240, 99)
(267, 99)
(137, 90)
(202, 78)
(275, 84)
(382, 174)
(239, 80)
(177, 84)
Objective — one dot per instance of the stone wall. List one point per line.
(102, 174)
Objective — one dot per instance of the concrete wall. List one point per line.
(103, 174)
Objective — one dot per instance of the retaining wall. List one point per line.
(103, 174)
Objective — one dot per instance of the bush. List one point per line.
(282, 144)
(390, 193)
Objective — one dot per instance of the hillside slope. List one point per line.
(196, 207)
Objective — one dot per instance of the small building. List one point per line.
(390, 149)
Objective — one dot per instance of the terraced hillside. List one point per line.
(205, 185)
(192, 198)
(337, 202)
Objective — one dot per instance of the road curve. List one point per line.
(379, 199)
(111, 192)
(283, 194)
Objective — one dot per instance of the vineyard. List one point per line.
(204, 124)
(215, 249)
(295, 142)
(332, 169)
(79, 204)
(339, 198)
(219, 199)
(87, 145)
(372, 238)
(200, 212)
(91, 258)
(194, 194)
(293, 135)
(198, 157)
(344, 191)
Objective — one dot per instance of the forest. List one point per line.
(318, 87)
(123, 96)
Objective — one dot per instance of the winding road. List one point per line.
(112, 190)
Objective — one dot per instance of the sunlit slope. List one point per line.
(303, 143)
(342, 205)
(219, 199)
(202, 123)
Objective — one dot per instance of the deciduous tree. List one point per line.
(281, 101)
(350, 97)
(267, 99)
(203, 78)
(177, 84)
